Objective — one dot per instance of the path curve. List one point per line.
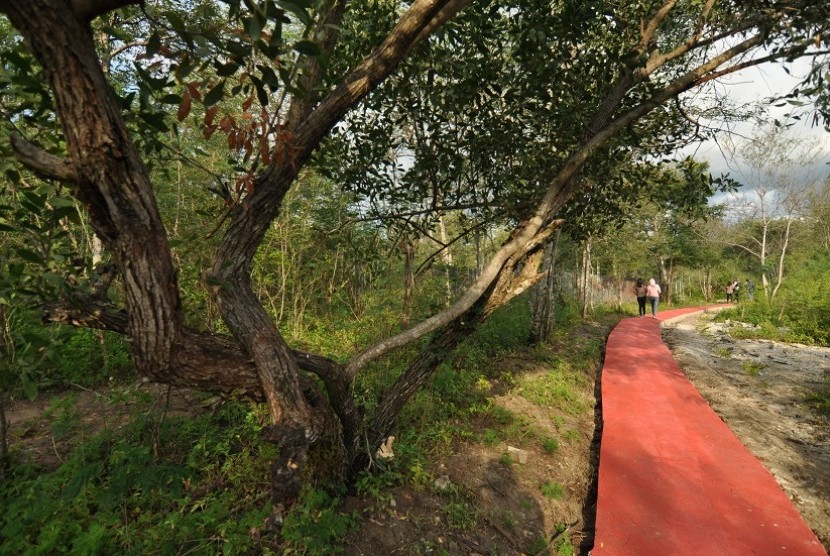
(673, 478)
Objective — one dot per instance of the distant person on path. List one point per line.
(730, 288)
(736, 288)
(750, 289)
(653, 292)
(640, 293)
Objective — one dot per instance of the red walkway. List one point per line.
(673, 479)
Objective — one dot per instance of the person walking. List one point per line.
(730, 287)
(640, 293)
(736, 288)
(750, 289)
(653, 292)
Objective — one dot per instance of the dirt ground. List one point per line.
(759, 388)
(488, 499)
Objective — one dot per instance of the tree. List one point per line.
(287, 57)
(777, 172)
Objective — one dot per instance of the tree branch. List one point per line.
(41, 162)
(87, 10)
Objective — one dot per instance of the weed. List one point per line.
(491, 437)
(506, 460)
(752, 368)
(539, 546)
(459, 515)
(552, 489)
(820, 398)
(723, 352)
(314, 525)
(550, 445)
(564, 546)
(67, 418)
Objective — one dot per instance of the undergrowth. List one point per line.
(199, 484)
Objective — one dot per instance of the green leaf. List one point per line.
(29, 255)
(224, 70)
(261, 94)
(296, 8)
(171, 99)
(153, 44)
(117, 33)
(30, 389)
(308, 48)
(215, 95)
(255, 26)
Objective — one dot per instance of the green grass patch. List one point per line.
(204, 493)
(555, 389)
(752, 368)
(554, 490)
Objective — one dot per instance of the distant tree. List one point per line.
(777, 173)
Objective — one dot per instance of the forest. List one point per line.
(266, 261)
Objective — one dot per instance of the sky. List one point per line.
(758, 84)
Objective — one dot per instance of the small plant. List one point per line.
(723, 352)
(550, 445)
(552, 489)
(564, 546)
(539, 546)
(506, 459)
(314, 525)
(820, 399)
(491, 437)
(752, 368)
(459, 515)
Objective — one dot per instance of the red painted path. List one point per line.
(673, 478)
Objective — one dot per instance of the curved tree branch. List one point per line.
(42, 163)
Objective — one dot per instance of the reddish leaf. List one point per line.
(263, 150)
(208, 131)
(210, 113)
(193, 89)
(184, 107)
(227, 124)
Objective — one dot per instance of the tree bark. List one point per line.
(409, 247)
(4, 431)
(541, 295)
(784, 245)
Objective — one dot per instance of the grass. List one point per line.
(723, 352)
(752, 368)
(550, 445)
(552, 489)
